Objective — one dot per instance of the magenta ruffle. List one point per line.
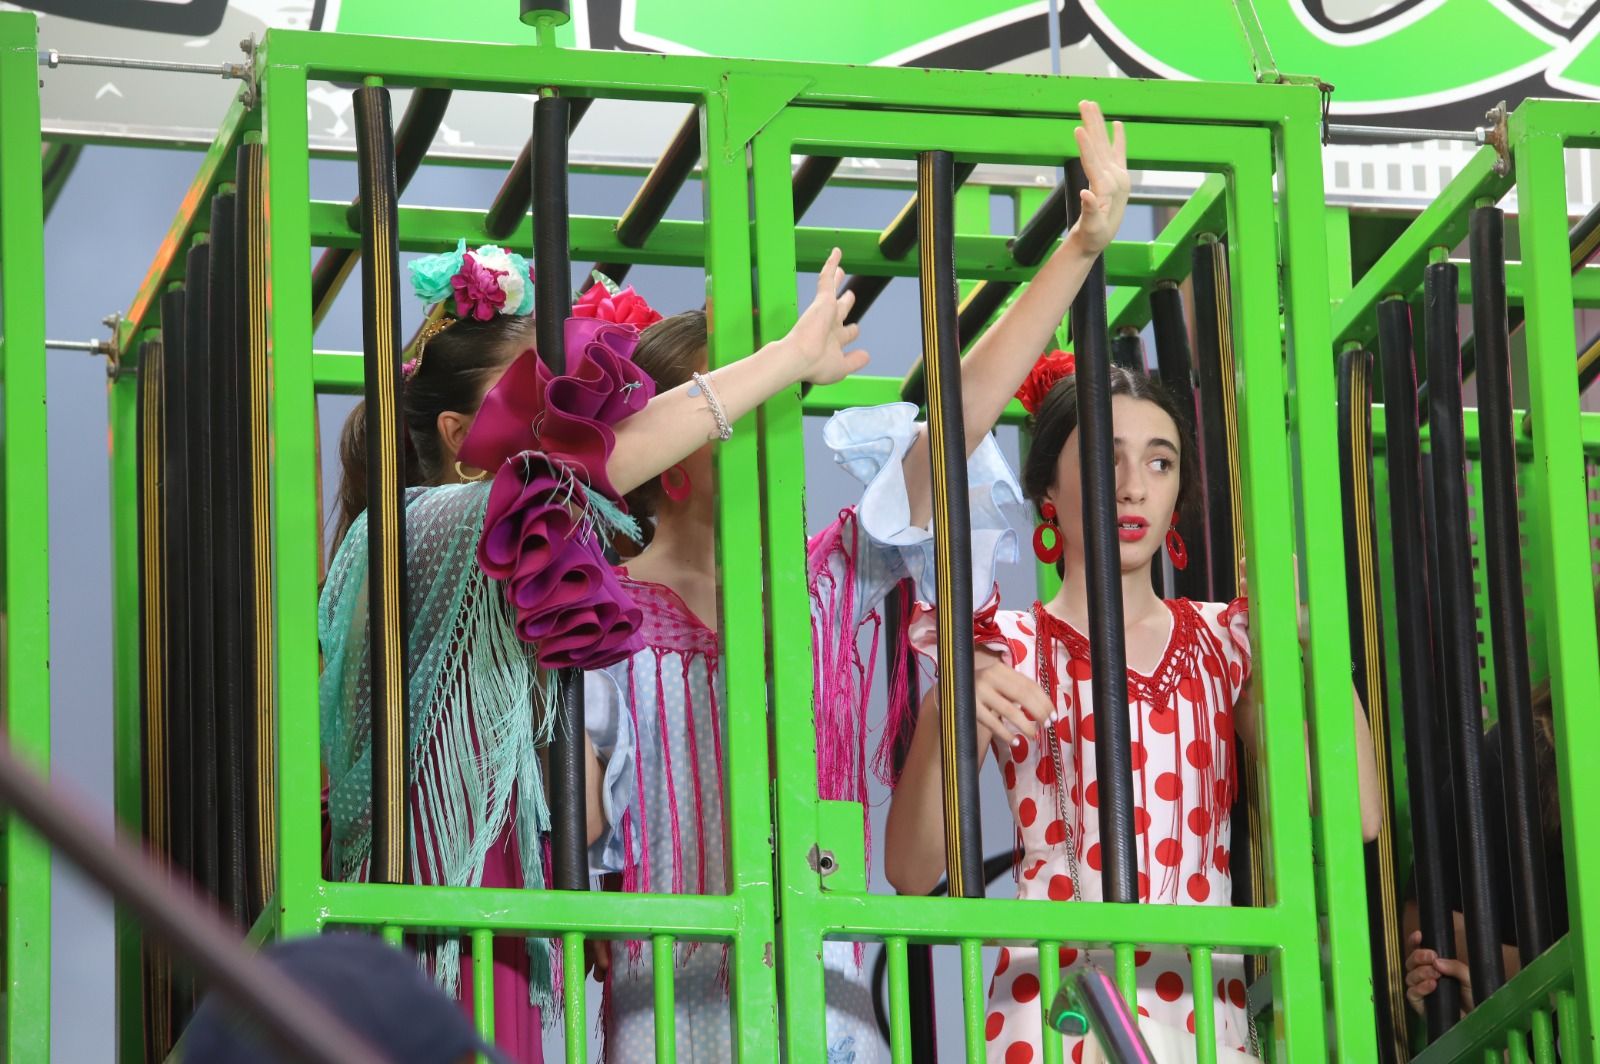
(548, 439)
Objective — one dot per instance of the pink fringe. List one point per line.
(699, 791)
(638, 774)
(672, 787)
(901, 719)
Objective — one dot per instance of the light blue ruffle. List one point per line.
(871, 443)
(610, 729)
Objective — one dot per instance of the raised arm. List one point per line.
(1000, 360)
(675, 424)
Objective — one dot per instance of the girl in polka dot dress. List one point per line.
(1188, 670)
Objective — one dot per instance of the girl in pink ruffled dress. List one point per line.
(519, 476)
(1188, 675)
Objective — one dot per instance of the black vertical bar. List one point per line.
(1127, 350)
(810, 178)
(1176, 372)
(202, 560)
(1366, 651)
(1457, 634)
(511, 203)
(227, 484)
(552, 268)
(1119, 870)
(899, 656)
(155, 738)
(255, 545)
(952, 524)
(1407, 493)
(1508, 631)
(1209, 319)
(424, 114)
(175, 520)
(388, 606)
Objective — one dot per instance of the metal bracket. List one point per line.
(822, 861)
(1497, 137)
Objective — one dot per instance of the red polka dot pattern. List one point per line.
(1003, 963)
(1025, 987)
(1169, 786)
(1045, 771)
(1199, 821)
(1027, 812)
(1060, 888)
(1236, 993)
(1092, 858)
(1169, 852)
(1086, 728)
(1064, 731)
(1067, 956)
(1056, 832)
(1019, 1053)
(1080, 669)
(994, 1025)
(1199, 887)
(1164, 721)
(1198, 754)
(1169, 986)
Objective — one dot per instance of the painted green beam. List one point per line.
(194, 216)
(25, 864)
(682, 243)
(1399, 270)
(1172, 251)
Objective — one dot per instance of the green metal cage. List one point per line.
(1292, 304)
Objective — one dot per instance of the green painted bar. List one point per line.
(25, 558)
(295, 521)
(507, 910)
(575, 1012)
(899, 1001)
(661, 963)
(1485, 1027)
(393, 934)
(1400, 268)
(127, 722)
(972, 999)
(1049, 984)
(483, 983)
(1205, 1012)
(1560, 541)
(682, 243)
(740, 561)
(1544, 1042)
(1311, 392)
(1126, 972)
(788, 607)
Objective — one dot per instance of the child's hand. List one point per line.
(1424, 969)
(1105, 164)
(818, 340)
(1009, 705)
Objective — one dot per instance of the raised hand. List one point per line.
(818, 340)
(1105, 164)
(1424, 969)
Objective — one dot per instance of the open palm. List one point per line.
(820, 337)
(1105, 164)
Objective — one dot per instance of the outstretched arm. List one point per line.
(1000, 360)
(675, 424)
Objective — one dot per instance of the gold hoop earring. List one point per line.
(460, 473)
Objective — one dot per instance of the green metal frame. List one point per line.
(1285, 257)
(25, 576)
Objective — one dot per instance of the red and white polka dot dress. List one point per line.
(1184, 782)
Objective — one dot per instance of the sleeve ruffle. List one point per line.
(610, 730)
(1235, 620)
(987, 631)
(871, 444)
(548, 438)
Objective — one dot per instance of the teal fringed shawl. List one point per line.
(480, 709)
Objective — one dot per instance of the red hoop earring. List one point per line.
(677, 490)
(1051, 553)
(1177, 550)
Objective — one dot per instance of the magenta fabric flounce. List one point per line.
(548, 439)
(561, 588)
(570, 416)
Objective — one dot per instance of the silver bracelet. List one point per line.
(702, 385)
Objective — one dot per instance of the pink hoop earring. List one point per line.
(677, 490)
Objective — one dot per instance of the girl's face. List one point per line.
(1145, 445)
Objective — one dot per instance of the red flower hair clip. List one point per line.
(1044, 375)
(623, 306)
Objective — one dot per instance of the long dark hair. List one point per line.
(1058, 416)
(456, 363)
(669, 351)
